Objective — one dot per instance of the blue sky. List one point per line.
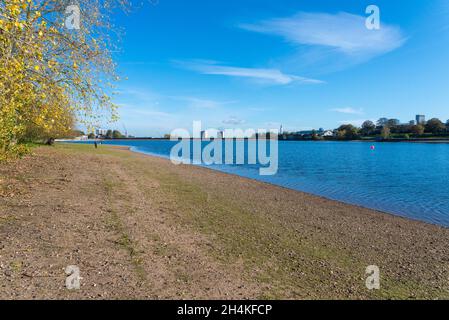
(260, 64)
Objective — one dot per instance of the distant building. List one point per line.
(328, 133)
(412, 122)
(212, 134)
(420, 119)
(101, 132)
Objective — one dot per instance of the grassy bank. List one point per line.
(140, 227)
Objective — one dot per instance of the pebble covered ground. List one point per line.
(139, 227)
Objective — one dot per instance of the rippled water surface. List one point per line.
(406, 179)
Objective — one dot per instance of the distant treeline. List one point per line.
(384, 129)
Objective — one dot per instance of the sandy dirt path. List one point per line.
(139, 227)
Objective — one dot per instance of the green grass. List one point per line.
(74, 148)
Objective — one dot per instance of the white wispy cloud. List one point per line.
(233, 121)
(142, 112)
(146, 112)
(348, 110)
(202, 103)
(263, 75)
(343, 32)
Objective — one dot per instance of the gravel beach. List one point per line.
(139, 227)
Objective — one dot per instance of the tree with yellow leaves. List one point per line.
(52, 73)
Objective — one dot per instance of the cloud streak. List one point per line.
(234, 121)
(273, 76)
(201, 103)
(348, 110)
(342, 32)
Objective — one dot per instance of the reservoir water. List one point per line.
(405, 179)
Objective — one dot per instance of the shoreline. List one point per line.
(141, 228)
(437, 141)
(393, 214)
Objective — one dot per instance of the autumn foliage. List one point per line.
(50, 75)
